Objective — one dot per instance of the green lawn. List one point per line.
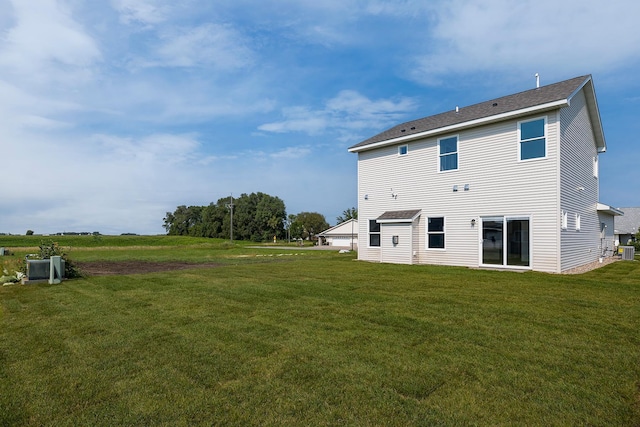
(317, 339)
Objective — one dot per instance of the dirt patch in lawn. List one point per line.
(107, 268)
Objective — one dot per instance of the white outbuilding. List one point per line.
(343, 235)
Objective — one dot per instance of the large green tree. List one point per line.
(347, 214)
(312, 223)
(294, 227)
(256, 216)
(184, 221)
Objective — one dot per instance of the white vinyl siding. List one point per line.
(578, 187)
(499, 185)
(415, 231)
(607, 237)
(399, 253)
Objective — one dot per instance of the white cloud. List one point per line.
(575, 36)
(151, 150)
(291, 153)
(102, 182)
(47, 44)
(348, 111)
(299, 119)
(218, 45)
(20, 108)
(147, 12)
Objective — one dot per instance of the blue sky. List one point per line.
(114, 112)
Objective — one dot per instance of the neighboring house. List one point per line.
(344, 235)
(626, 227)
(508, 183)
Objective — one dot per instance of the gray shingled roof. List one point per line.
(398, 215)
(527, 99)
(629, 222)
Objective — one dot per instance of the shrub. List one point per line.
(49, 248)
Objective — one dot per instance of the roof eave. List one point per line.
(609, 209)
(459, 126)
(397, 220)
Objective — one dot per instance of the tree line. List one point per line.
(257, 217)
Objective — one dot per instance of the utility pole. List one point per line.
(230, 206)
(352, 234)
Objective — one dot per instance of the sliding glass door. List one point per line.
(506, 241)
(492, 239)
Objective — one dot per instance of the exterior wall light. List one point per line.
(473, 222)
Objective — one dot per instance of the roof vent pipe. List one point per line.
(537, 80)
(457, 109)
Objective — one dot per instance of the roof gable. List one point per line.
(544, 98)
(344, 228)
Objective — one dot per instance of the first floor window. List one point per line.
(374, 233)
(435, 233)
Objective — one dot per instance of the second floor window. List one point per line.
(532, 139)
(448, 148)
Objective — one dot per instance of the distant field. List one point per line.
(294, 337)
(97, 241)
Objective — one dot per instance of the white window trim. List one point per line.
(457, 152)
(400, 148)
(443, 232)
(578, 222)
(546, 139)
(565, 220)
(596, 171)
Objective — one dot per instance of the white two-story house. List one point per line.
(509, 183)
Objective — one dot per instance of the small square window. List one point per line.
(403, 150)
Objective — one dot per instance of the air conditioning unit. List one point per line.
(628, 253)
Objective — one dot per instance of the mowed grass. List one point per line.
(321, 339)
